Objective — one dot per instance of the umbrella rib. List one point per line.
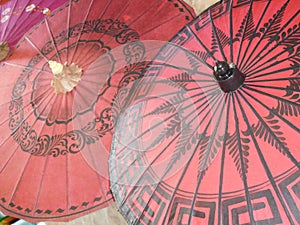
(244, 32)
(9, 159)
(293, 159)
(273, 96)
(273, 87)
(254, 32)
(16, 112)
(81, 29)
(223, 166)
(276, 63)
(207, 156)
(186, 167)
(271, 80)
(82, 96)
(278, 115)
(17, 26)
(132, 90)
(4, 35)
(231, 31)
(142, 14)
(100, 17)
(165, 22)
(94, 164)
(124, 200)
(115, 18)
(68, 29)
(182, 68)
(153, 127)
(206, 49)
(98, 66)
(217, 36)
(26, 164)
(187, 52)
(26, 67)
(24, 94)
(67, 164)
(251, 78)
(173, 115)
(44, 170)
(103, 84)
(213, 93)
(257, 59)
(36, 48)
(244, 176)
(168, 169)
(137, 18)
(257, 70)
(190, 159)
(262, 159)
(263, 36)
(53, 40)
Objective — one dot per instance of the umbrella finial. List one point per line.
(4, 50)
(228, 76)
(65, 77)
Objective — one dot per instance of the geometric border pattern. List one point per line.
(203, 213)
(262, 202)
(290, 188)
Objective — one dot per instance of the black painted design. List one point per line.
(264, 201)
(57, 145)
(181, 210)
(269, 130)
(291, 106)
(257, 121)
(82, 207)
(232, 143)
(105, 122)
(73, 141)
(94, 47)
(134, 52)
(290, 188)
(115, 28)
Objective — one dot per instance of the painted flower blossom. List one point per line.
(4, 18)
(30, 8)
(6, 11)
(46, 11)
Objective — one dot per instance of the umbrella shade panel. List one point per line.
(56, 100)
(17, 17)
(210, 134)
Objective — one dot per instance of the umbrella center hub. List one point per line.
(66, 77)
(228, 76)
(4, 49)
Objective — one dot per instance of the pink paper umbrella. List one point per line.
(18, 16)
(56, 98)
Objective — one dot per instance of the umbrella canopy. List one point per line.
(17, 17)
(210, 134)
(56, 95)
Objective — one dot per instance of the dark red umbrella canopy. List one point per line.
(210, 134)
(56, 95)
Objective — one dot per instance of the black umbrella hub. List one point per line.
(228, 76)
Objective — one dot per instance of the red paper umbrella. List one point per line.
(17, 17)
(56, 95)
(210, 134)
